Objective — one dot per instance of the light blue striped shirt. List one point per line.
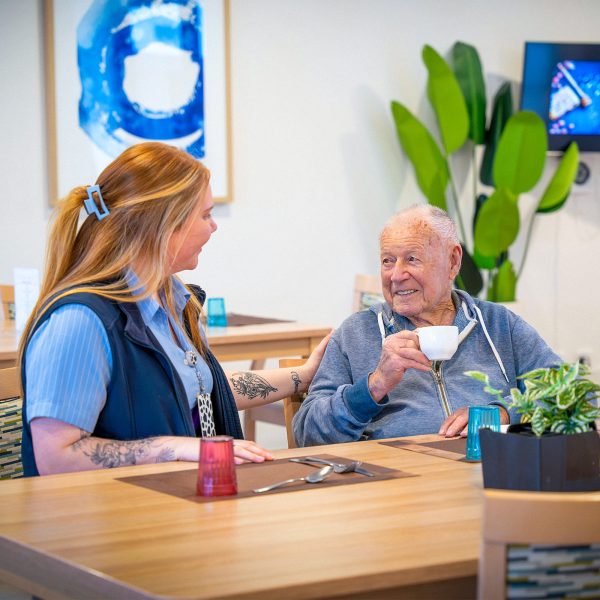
(69, 361)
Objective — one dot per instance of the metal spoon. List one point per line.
(314, 477)
(354, 466)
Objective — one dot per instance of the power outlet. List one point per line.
(584, 356)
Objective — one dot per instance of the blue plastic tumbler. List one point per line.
(217, 317)
(480, 417)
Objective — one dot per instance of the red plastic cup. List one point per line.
(216, 467)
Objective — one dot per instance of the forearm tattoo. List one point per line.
(297, 381)
(113, 453)
(251, 385)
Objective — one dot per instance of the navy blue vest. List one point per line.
(145, 396)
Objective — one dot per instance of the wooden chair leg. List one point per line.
(249, 425)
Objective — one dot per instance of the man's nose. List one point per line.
(399, 272)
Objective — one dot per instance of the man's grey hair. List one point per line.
(436, 218)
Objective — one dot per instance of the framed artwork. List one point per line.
(123, 72)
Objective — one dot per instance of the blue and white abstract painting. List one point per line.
(140, 64)
(127, 71)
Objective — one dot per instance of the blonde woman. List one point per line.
(115, 367)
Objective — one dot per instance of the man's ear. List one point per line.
(455, 260)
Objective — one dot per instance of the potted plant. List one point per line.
(511, 164)
(556, 446)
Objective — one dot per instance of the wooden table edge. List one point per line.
(57, 578)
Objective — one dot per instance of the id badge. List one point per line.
(205, 411)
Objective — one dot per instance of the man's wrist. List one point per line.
(376, 387)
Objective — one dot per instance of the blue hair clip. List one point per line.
(91, 206)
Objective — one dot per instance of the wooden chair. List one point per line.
(529, 534)
(268, 413)
(11, 422)
(292, 403)
(7, 295)
(367, 291)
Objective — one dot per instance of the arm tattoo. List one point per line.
(297, 381)
(113, 453)
(251, 385)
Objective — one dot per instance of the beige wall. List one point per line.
(317, 168)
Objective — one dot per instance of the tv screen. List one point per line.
(561, 83)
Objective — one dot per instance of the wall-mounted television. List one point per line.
(561, 83)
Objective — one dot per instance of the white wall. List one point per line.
(317, 168)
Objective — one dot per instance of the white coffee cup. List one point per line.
(438, 342)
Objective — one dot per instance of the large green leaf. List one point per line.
(430, 166)
(497, 224)
(467, 68)
(479, 202)
(501, 111)
(484, 262)
(504, 284)
(447, 101)
(521, 153)
(469, 274)
(557, 191)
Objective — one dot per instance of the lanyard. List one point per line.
(203, 401)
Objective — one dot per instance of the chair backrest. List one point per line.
(292, 403)
(530, 538)
(7, 295)
(367, 291)
(11, 422)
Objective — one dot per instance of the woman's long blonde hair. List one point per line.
(150, 191)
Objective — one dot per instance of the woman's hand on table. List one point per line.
(247, 451)
(244, 451)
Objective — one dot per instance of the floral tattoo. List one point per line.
(251, 385)
(112, 453)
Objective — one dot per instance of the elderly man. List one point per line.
(374, 381)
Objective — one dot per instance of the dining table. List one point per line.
(254, 339)
(412, 530)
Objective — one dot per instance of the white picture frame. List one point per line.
(73, 158)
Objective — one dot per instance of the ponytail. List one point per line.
(61, 242)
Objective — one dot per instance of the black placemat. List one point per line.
(452, 448)
(250, 476)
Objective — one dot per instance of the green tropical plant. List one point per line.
(513, 161)
(558, 399)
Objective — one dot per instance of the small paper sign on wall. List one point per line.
(27, 291)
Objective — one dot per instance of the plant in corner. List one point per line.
(554, 448)
(513, 161)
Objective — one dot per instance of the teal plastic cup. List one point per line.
(217, 317)
(480, 417)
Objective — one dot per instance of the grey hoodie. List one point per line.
(339, 407)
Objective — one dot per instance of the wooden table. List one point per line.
(247, 342)
(88, 535)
